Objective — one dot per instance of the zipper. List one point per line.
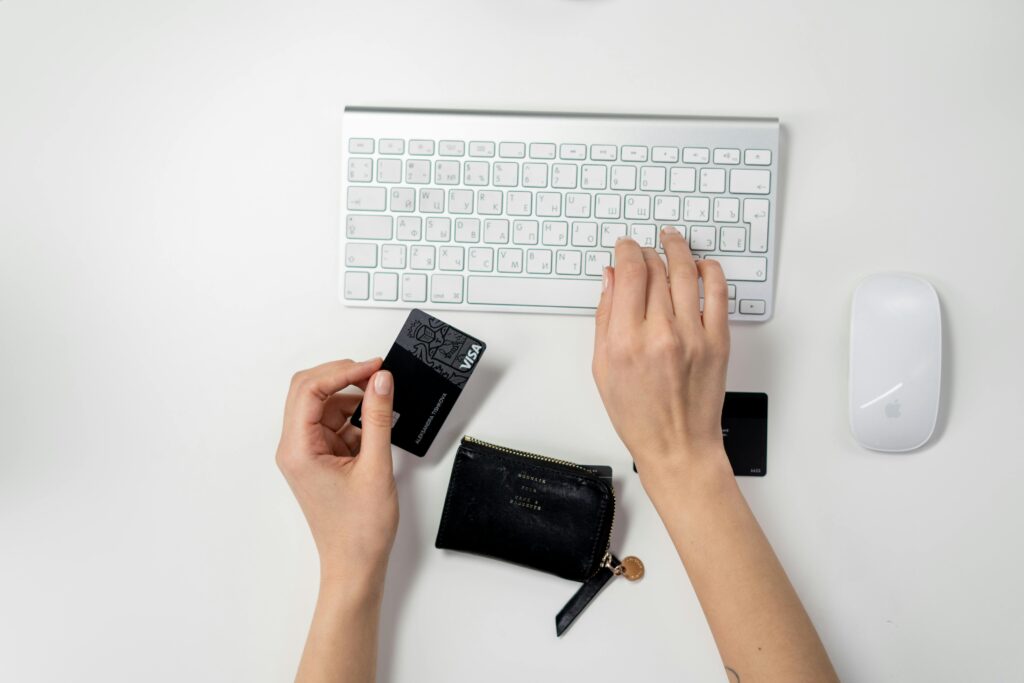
(607, 558)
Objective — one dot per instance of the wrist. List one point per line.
(685, 476)
(354, 583)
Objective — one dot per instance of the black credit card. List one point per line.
(745, 433)
(431, 362)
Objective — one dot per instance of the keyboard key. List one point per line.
(755, 212)
(572, 151)
(752, 306)
(417, 171)
(460, 201)
(481, 149)
(549, 204)
(421, 257)
(749, 181)
(519, 203)
(467, 230)
(638, 207)
(510, 260)
(512, 150)
(538, 261)
(357, 286)
(481, 259)
(408, 228)
(757, 157)
(446, 172)
(542, 150)
(524, 232)
(450, 258)
(368, 227)
(584, 234)
(595, 177)
(652, 178)
(644, 234)
(446, 289)
(392, 146)
(488, 202)
(367, 198)
(385, 286)
(577, 205)
(608, 206)
(533, 291)
(360, 146)
(611, 232)
(727, 156)
(696, 208)
(506, 174)
(666, 208)
(496, 231)
(568, 262)
(603, 152)
(389, 171)
(596, 261)
(702, 237)
(360, 255)
(439, 229)
(563, 176)
(668, 155)
(712, 180)
(421, 147)
(451, 148)
(727, 210)
(360, 170)
(732, 291)
(535, 175)
(744, 268)
(555, 233)
(634, 153)
(414, 287)
(696, 155)
(683, 180)
(733, 239)
(623, 177)
(477, 173)
(431, 201)
(392, 256)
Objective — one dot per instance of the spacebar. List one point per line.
(533, 291)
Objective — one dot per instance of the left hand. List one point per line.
(341, 475)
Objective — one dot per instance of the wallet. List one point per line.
(550, 515)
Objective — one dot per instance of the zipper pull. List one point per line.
(631, 568)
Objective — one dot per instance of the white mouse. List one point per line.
(895, 362)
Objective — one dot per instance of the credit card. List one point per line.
(431, 362)
(745, 433)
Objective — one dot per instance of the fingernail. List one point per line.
(604, 279)
(382, 383)
(623, 238)
(670, 229)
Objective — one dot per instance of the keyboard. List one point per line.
(496, 211)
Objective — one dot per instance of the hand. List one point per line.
(659, 363)
(342, 476)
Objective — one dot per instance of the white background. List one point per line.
(169, 177)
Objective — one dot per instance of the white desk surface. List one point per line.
(169, 177)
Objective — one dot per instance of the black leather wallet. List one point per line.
(551, 515)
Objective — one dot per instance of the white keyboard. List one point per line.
(520, 212)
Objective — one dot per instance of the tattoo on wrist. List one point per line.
(733, 676)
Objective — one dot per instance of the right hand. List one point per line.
(659, 364)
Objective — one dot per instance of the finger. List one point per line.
(337, 410)
(716, 301)
(337, 444)
(682, 277)
(629, 300)
(659, 301)
(377, 413)
(352, 436)
(604, 310)
(311, 388)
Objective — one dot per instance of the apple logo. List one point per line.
(892, 409)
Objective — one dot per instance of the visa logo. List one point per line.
(471, 356)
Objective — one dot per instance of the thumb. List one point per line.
(377, 412)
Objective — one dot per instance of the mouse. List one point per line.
(895, 362)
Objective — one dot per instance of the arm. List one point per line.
(343, 479)
(660, 366)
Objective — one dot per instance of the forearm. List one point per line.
(755, 615)
(342, 642)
